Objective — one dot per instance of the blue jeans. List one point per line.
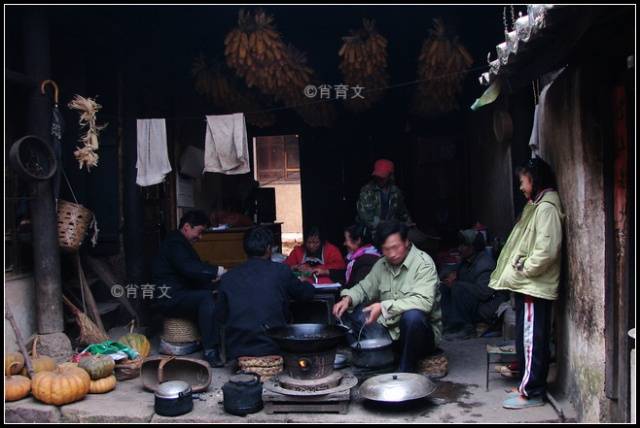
(416, 339)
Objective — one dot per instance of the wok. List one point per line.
(302, 338)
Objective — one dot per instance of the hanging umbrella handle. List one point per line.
(56, 90)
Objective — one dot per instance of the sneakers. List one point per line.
(212, 357)
(521, 402)
(512, 392)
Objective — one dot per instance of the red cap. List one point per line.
(383, 168)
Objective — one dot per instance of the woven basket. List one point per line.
(268, 361)
(436, 366)
(73, 222)
(128, 369)
(180, 330)
(265, 373)
(267, 366)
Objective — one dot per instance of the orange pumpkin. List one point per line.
(40, 363)
(103, 385)
(62, 386)
(10, 359)
(16, 387)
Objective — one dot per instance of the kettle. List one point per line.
(242, 394)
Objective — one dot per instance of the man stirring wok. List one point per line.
(403, 296)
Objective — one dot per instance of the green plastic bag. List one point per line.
(111, 347)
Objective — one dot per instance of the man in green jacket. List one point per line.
(529, 265)
(403, 296)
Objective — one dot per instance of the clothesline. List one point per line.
(267, 110)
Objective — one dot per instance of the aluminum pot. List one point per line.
(173, 398)
(372, 353)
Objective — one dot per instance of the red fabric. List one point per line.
(382, 168)
(330, 254)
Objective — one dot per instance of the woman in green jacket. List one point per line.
(529, 266)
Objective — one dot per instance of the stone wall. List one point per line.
(19, 295)
(570, 144)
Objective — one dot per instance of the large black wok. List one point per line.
(303, 338)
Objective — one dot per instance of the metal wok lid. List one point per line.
(397, 387)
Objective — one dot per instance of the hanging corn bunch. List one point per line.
(215, 83)
(257, 53)
(86, 155)
(364, 63)
(442, 65)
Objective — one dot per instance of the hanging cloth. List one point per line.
(226, 149)
(153, 158)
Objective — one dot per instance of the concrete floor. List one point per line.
(460, 398)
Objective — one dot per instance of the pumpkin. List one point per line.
(16, 387)
(98, 366)
(62, 386)
(103, 385)
(68, 365)
(136, 341)
(10, 359)
(40, 363)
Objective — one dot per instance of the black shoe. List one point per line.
(213, 358)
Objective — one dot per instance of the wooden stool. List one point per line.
(503, 351)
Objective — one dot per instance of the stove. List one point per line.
(308, 382)
(310, 365)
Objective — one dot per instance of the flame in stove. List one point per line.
(303, 364)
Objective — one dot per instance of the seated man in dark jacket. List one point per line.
(466, 296)
(189, 281)
(255, 294)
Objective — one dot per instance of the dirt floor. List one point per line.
(459, 398)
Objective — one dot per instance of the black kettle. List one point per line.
(242, 394)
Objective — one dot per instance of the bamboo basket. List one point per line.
(73, 222)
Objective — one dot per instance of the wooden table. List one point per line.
(224, 247)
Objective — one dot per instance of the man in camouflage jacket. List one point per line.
(381, 200)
